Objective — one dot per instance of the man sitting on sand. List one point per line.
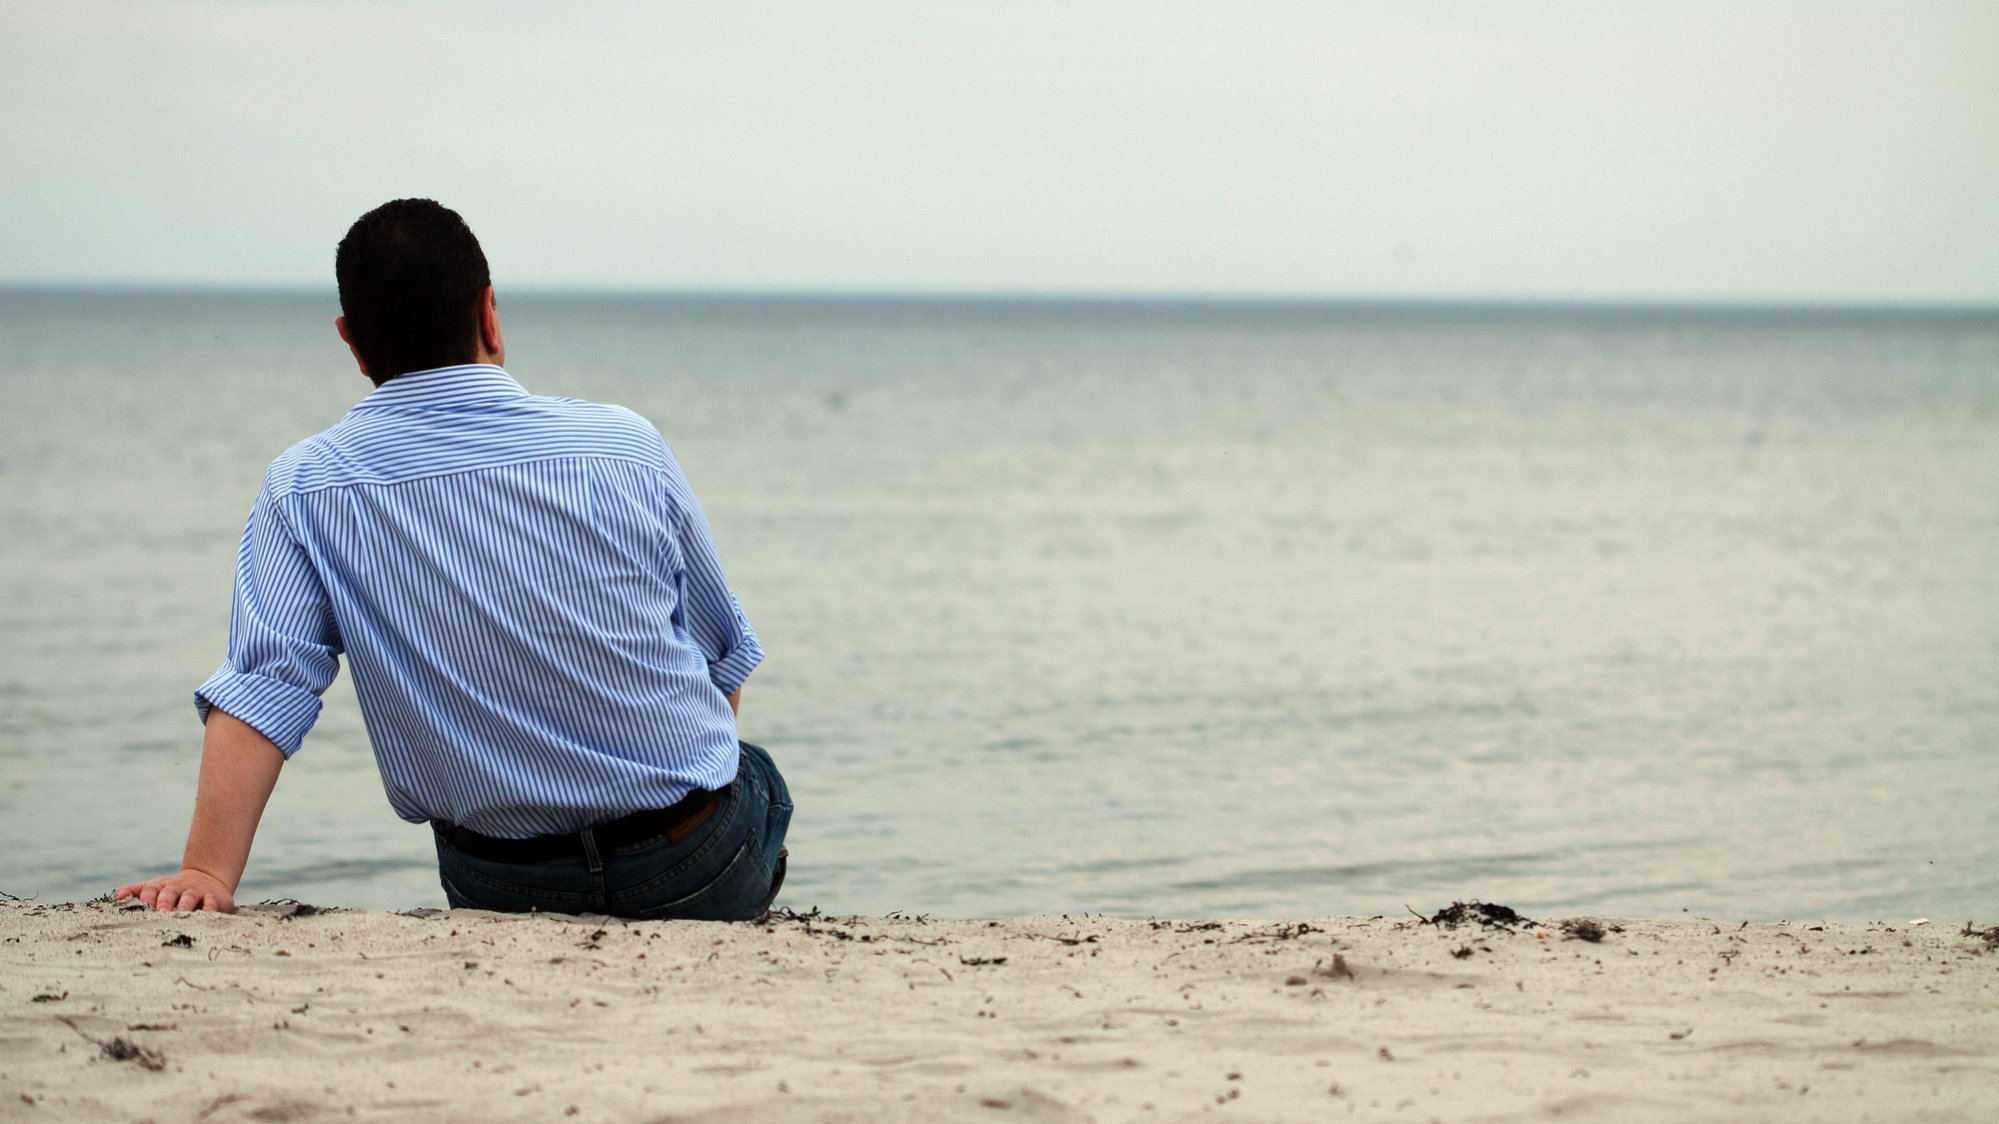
(547, 656)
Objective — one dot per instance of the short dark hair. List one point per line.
(410, 274)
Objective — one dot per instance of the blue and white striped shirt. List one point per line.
(537, 624)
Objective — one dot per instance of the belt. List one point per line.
(673, 824)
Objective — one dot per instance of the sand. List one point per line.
(115, 1013)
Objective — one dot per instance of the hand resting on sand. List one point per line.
(188, 890)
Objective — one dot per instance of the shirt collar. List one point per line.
(442, 386)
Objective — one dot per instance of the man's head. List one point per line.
(414, 290)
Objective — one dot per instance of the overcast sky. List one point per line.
(1678, 150)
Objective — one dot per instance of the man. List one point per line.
(547, 656)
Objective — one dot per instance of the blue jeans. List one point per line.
(728, 869)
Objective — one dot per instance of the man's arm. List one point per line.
(713, 618)
(257, 707)
(239, 767)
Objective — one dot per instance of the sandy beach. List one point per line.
(283, 1012)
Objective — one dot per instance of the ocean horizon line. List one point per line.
(1466, 303)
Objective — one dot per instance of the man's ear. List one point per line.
(492, 345)
(340, 325)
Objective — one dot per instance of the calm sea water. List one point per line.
(1175, 610)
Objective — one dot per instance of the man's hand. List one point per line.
(188, 890)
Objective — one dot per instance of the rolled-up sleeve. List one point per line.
(711, 613)
(283, 647)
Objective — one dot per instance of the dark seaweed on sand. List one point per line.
(298, 908)
(120, 1049)
(1486, 914)
(1989, 936)
(125, 1050)
(1583, 929)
